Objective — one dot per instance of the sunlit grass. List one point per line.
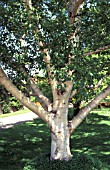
(14, 113)
(24, 142)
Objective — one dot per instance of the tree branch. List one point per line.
(97, 51)
(46, 58)
(73, 93)
(4, 80)
(28, 4)
(86, 110)
(44, 101)
(100, 81)
(73, 9)
(64, 98)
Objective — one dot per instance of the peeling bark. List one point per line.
(58, 117)
(60, 137)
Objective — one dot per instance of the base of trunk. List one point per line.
(62, 158)
(60, 135)
(60, 149)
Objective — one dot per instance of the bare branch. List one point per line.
(97, 51)
(44, 101)
(64, 98)
(98, 83)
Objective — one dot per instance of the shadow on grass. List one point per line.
(25, 141)
(92, 137)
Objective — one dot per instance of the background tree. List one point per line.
(69, 41)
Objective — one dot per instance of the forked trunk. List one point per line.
(60, 137)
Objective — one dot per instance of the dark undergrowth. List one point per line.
(77, 162)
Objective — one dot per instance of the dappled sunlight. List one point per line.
(23, 142)
(93, 137)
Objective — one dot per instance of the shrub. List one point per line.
(78, 162)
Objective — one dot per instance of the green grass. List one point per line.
(14, 113)
(21, 143)
(92, 137)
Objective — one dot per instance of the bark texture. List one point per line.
(60, 137)
(60, 134)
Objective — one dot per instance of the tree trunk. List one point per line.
(60, 137)
(13, 109)
(1, 111)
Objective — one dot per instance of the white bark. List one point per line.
(60, 136)
(47, 58)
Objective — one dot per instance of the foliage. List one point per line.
(8, 102)
(78, 161)
(44, 86)
(55, 31)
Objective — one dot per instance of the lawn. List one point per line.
(14, 113)
(23, 142)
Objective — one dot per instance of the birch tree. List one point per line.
(69, 41)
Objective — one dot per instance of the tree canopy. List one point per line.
(69, 42)
(23, 29)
